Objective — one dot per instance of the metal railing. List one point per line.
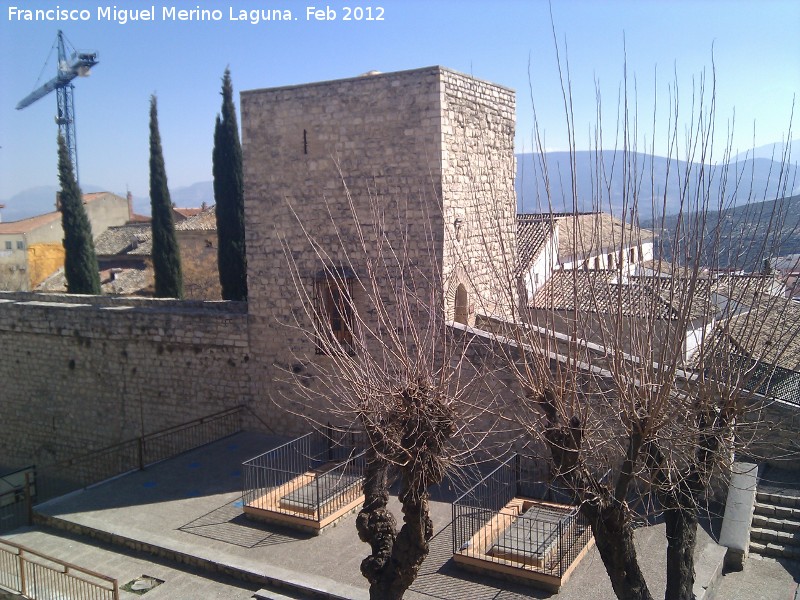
(136, 453)
(514, 517)
(41, 577)
(311, 477)
(17, 497)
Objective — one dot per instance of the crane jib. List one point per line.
(78, 66)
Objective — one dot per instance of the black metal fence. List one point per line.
(18, 491)
(45, 482)
(514, 517)
(137, 453)
(311, 477)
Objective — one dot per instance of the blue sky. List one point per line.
(756, 51)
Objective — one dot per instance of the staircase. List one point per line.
(776, 519)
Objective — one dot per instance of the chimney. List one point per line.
(130, 206)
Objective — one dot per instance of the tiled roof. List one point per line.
(205, 220)
(122, 239)
(533, 231)
(591, 234)
(598, 292)
(769, 332)
(30, 224)
(136, 218)
(125, 282)
(580, 235)
(145, 247)
(185, 213)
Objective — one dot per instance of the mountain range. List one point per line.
(609, 182)
(655, 177)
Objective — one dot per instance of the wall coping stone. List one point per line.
(369, 77)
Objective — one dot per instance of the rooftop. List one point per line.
(580, 235)
(598, 291)
(32, 223)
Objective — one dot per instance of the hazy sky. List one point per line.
(756, 50)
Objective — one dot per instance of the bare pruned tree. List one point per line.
(643, 377)
(388, 366)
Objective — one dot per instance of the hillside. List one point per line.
(747, 234)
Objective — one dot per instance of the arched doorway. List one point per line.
(461, 305)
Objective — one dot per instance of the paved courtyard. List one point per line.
(190, 506)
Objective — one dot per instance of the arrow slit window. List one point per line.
(333, 310)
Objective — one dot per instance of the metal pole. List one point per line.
(141, 453)
(28, 499)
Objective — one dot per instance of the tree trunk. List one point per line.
(613, 536)
(396, 557)
(410, 549)
(375, 524)
(681, 539)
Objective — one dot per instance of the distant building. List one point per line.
(124, 255)
(585, 241)
(32, 249)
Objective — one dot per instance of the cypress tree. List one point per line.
(229, 196)
(80, 260)
(166, 255)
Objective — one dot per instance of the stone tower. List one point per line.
(433, 149)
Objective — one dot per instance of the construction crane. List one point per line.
(77, 65)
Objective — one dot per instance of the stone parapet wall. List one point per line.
(80, 373)
(775, 437)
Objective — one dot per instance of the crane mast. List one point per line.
(77, 64)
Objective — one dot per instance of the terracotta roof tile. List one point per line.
(599, 292)
(122, 239)
(31, 223)
(205, 220)
(533, 231)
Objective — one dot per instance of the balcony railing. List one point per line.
(41, 577)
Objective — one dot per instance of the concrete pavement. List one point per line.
(188, 509)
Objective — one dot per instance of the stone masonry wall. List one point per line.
(79, 373)
(308, 151)
(478, 121)
(333, 161)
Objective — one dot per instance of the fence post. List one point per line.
(28, 498)
(319, 498)
(560, 549)
(23, 587)
(140, 446)
(455, 537)
(329, 435)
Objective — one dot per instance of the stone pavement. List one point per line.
(180, 581)
(188, 509)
